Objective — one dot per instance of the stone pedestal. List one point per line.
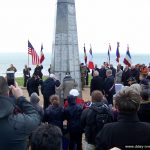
(65, 53)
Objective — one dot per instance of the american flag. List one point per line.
(32, 52)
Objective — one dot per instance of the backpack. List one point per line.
(102, 115)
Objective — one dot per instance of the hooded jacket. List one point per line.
(54, 115)
(90, 123)
(127, 133)
(34, 99)
(72, 115)
(15, 127)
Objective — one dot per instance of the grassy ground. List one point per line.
(20, 80)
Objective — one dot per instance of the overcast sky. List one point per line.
(99, 22)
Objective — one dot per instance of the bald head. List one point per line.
(108, 72)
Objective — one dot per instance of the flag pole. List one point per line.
(28, 60)
(109, 49)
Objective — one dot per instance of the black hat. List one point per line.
(67, 73)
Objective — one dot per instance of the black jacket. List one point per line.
(97, 83)
(135, 73)
(33, 86)
(102, 73)
(126, 74)
(54, 115)
(16, 127)
(48, 87)
(109, 86)
(144, 112)
(38, 71)
(128, 131)
(89, 121)
(72, 115)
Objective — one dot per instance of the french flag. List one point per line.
(90, 64)
(109, 49)
(42, 55)
(117, 53)
(127, 59)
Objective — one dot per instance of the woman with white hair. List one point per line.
(136, 87)
(79, 101)
(97, 82)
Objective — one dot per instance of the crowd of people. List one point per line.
(111, 119)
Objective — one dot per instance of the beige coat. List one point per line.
(68, 84)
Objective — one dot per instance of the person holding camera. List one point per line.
(18, 118)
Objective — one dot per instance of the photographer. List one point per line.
(16, 126)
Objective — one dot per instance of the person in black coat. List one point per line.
(48, 88)
(113, 70)
(109, 86)
(18, 118)
(126, 74)
(33, 84)
(90, 121)
(54, 113)
(72, 115)
(26, 73)
(97, 83)
(128, 131)
(95, 69)
(144, 111)
(102, 72)
(135, 73)
(38, 71)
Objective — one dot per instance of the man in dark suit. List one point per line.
(26, 73)
(97, 83)
(109, 86)
(48, 88)
(126, 75)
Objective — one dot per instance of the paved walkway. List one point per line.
(85, 95)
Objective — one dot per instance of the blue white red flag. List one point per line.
(127, 59)
(109, 49)
(117, 53)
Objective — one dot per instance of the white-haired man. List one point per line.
(48, 88)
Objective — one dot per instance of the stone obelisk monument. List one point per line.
(65, 53)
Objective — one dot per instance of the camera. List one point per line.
(10, 77)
